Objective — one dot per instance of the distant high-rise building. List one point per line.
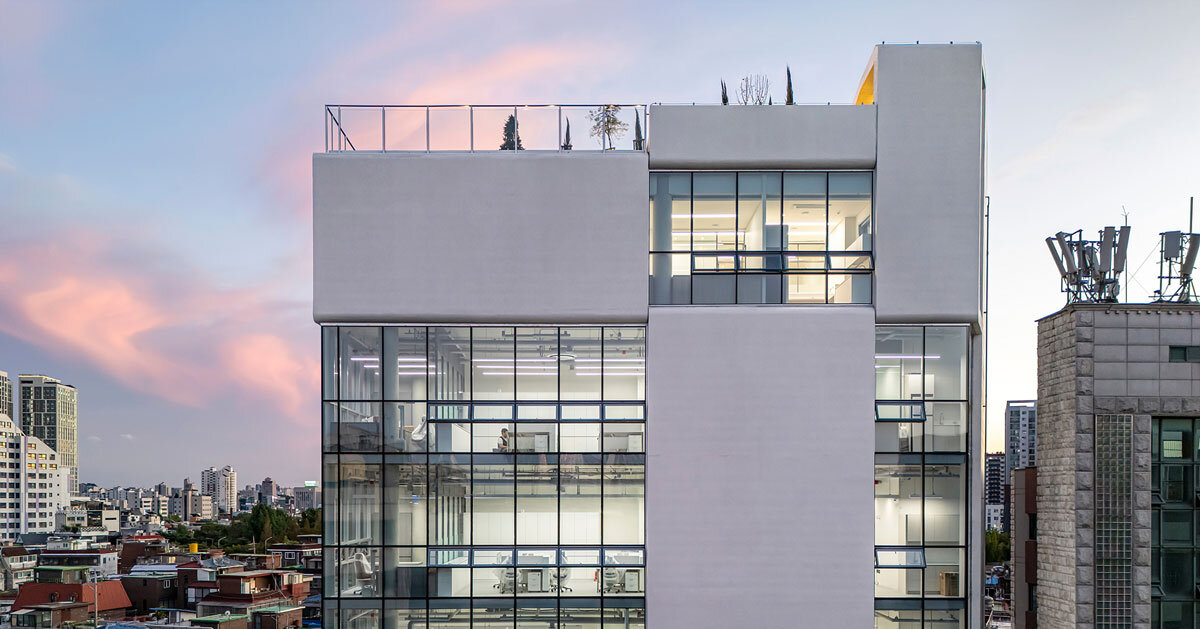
(49, 412)
(221, 484)
(162, 489)
(307, 497)
(267, 490)
(190, 504)
(995, 499)
(1021, 439)
(6, 395)
(994, 479)
(37, 484)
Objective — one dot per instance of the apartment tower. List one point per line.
(648, 376)
(49, 412)
(6, 395)
(221, 484)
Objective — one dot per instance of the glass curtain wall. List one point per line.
(922, 389)
(1175, 539)
(484, 476)
(761, 237)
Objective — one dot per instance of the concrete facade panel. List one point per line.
(480, 237)
(740, 497)
(929, 183)
(803, 136)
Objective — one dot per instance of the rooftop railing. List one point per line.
(385, 128)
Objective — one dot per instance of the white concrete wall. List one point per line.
(760, 467)
(484, 237)
(929, 183)
(734, 136)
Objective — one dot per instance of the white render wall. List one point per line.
(759, 472)
(929, 183)
(734, 136)
(489, 237)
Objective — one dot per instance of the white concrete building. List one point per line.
(221, 484)
(524, 422)
(33, 487)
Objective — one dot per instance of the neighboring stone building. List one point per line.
(1118, 404)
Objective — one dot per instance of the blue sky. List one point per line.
(155, 193)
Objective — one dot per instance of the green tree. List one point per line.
(174, 518)
(638, 140)
(566, 145)
(998, 546)
(724, 93)
(310, 522)
(606, 125)
(512, 135)
(180, 534)
(789, 100)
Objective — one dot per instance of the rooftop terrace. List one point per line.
(427, 128)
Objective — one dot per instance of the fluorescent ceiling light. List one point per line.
(907, 356)
(509, 360)
(364, 358)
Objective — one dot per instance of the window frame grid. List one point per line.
(603, 601)
(965, 582)
(783, 253)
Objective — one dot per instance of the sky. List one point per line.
(155, 172)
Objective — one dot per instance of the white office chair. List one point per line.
(508, 580)
(557, 581)
(613, 580)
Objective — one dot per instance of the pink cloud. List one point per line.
(154, 325)
(279, 371)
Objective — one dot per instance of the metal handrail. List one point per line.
(337, 139)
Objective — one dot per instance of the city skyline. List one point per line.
(172, 247)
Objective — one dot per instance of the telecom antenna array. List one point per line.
(1175, 267)
(1090, 269)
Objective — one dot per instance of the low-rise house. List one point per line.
(150, 590)
(259, 561)
(51, 615)
(246, 592)
(305, 555)
(223, 621)
(17, 564)
(198, 579)
(136, 547)
(102, 561)
(69, 584)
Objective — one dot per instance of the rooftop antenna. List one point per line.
(1090, 269)
(1177, 262)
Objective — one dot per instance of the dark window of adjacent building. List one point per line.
(1033, 526)
(1184, 354)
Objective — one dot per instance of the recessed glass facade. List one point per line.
(484, 476)
(922, 390)
(761, 237)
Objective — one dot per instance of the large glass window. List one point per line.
(477, 476)
(761, 237)
(921, 410)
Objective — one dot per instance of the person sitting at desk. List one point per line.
(502, 442)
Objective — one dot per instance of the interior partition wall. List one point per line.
(922, 473)
(484, 476)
